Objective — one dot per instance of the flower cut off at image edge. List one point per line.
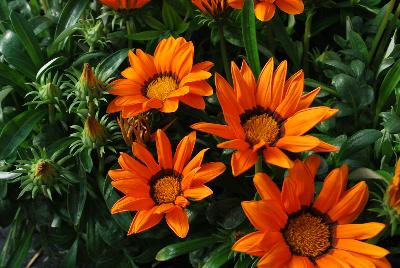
(265, 9)
(161, 81)
(162, 188)
(124, 4)
(294, 230)
(268, 115)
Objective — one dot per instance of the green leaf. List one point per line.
(69, 260)
(358, 45)
(14, 53)
(8, 175)
(27, 37)
(70, 14)
(145, 36)
(388, 85)
(110, 64)
(17, 130)
(19, 256)
(76, 202)
(178, 249)
(218, 258)
(50, 65)
(250, 36)
(359, 141)
(170, 17)
(11, 77)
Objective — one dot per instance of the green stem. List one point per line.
(52, 114)
(130, 28)
(224, 53)
(259, 164)
(100, 170)
(92, 108)
(306, 40)
(250, 37)
(381, 29)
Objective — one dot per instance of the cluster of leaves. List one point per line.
(349, 48)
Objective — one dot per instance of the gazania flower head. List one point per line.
(270, 114)
(161, 81)
(215, 8)
(393, 192)
(294, 230)
(157, 189)
(265, 9)
(124, 4)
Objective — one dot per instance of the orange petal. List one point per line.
(164, 151)
(330, 261)
(264, 11)
(179, 92)
(350, 259)
(241, 161)
(184, 151)
(194, 101)
(177, 220)
(143, 221)
(291, 6)
(208, 172)
(129, 203)
(307, 99)
(297, 144)
(264, 87)
(303, 182)
(170, 105)
(195, 162)
(202, 66)
(188, 178)
(301, 262)
(164, 208)
(312, 163)
(121, 174)
(265, 215)
(332, 190)
(181, 201)
(266, 187)
(290, 200)
(245, 94)
(134, 110)
(248, 76)
(275, 156)
(201, 88)
(126, 87)
(198, 193)
(278, 254)
(226, 97)
(278, 83)
(359, 231)
(361, 247)
(236, 144)
(222, 131)
(128, 163)
(292, 97)
(325, 148)
(141, 152)
(194, 77)
(379, 263)
(249, 244)
(305, 120)
(133, 187)
(351, 204)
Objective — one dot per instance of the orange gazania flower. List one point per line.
(293, 230)
(162, 81)
(124, 4)
(267, 115)
(393, 191)
(265, 9)
(157, 189)
(215, 8)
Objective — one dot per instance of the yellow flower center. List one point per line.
(261, 128)
(160, 87)
(308, 235)
(166, 189)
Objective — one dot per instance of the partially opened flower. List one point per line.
(157, 189)
(270, 114)
(294, 230)
(265, 9)
(215, 8)
(162, 81)
(393, 192)
(124, 4)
